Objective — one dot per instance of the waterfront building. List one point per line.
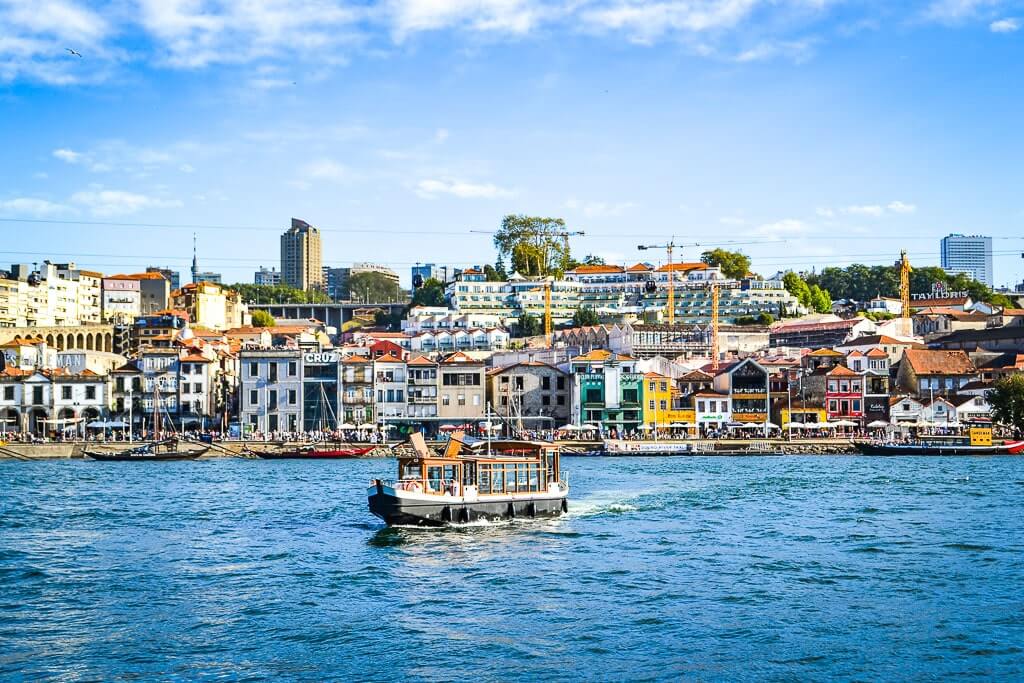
(885, 305)
(904, 410)
(712, 410)
(357, 390)
(746, 383)
(55, 295)
(322, 382)
(267, 277)
(892, 346)
(446, 341)
(928, 372)
(874, 368)
(824, 332)
(968, 254)
(661, 404)
(462, 387)
(532, 393)
(972, 409)
(301, 257)
(433, 318)
(844, 394)
(390, 379)
(421, 391)
(271, 387)
(607, 390)
(50, 401)
(122, 298)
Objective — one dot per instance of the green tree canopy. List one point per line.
(374, 288)
(798, 287)
(430, 294)
(528, 326)
(278, 294)
(821, 301)
(585, 317)
(262, 319)
(1007, 400)
(861, 283)
(492, 275)
(733, 264)
(533, 245)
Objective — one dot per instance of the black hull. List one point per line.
(400, 512)
(897, 449)
(160, 457)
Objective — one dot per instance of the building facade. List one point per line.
(968, 254)
(301, 257)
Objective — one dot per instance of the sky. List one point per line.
(805, 133)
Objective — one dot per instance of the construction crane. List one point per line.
(905, 270)
(714, 325)
(671, 303)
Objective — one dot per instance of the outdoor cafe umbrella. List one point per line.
(878, 424)
(447, 428)
(571, 428)
(367, 425)
(842, 423)
(680, 425)
(346, 425)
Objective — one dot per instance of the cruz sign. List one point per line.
(320, 358)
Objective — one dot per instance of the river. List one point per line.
(755, 568)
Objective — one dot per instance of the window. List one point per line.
(663, 405)
(197, 388)
(293, 368)
(65, 393)
(462, 399)
(254, 397)
(650, 405)
(272, 368)
(293, 396)
(476, 399)
(833, 406)
(545, 383)
(662, 386)
(545, 400)
(700, 406)
(856, 406)
(560, 400)
(272, 401)
(8, 393)
(504, 400)
(650, 385)
(272, 423)
(90, 393)
(119, 384)
(254, 369)
(561, 384)
(446, 400)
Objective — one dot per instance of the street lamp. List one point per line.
(129, 412)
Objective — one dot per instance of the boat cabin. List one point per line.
(502, 468)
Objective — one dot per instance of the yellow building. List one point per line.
(806, 415)
(658, 393)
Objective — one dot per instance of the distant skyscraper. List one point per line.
(172, 275)
(301, 263)
(426, 271)
(970, 254)
(207, 276)
(267, 277)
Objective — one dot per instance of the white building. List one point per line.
(271, 390)
(969, 254)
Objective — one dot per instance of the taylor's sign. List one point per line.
(319, 358)
(939, 291)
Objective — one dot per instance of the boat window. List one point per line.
(434, 479)
(451, 472)
(484, 479)
(410, 471)
(522, 477)
(497, 479)
(469, 473)
(510, 478)
(534, 477)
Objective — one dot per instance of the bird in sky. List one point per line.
(77, 54)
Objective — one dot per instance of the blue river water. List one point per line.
(773, 568)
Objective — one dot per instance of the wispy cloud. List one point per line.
(873, 210)
(493, 16)
(432, 188)
(783, 229)
(1008, 25)
(598, 209)
(329, 170)
(31, 206)
(955, 11)
(68, 155)
(119, 203)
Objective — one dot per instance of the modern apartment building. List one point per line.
(301, 257)
(265, 276)
(969, 254)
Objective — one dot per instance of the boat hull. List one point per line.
(155, 457)
(445, 510)
(934, 449)
(319, 454)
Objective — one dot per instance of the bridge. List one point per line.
(332, 315)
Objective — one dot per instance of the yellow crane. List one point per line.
(714, 325)
(905, 271)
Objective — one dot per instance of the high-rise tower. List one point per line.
(301, 262)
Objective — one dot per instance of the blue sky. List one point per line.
(806, 133)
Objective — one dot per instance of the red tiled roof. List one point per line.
(937, 362)
(595, 269)
(842, 371)
(684, 267)
(388, 358)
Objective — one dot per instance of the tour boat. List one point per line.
(624, 447)
(491, 481)
(148, 452)
(311, 452)
(937, 448)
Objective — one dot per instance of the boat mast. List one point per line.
(488, 427)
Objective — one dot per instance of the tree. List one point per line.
(492, 275)
(533, 245)
(821, 301)
(499, 268)
(765, 319)
(528, 325)
(390, 321)
(585, 317)
(733, 264)
(797, 286)
(373, 288)
(1007, 400)
(430, 294)
(262, 319)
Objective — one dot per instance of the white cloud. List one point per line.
(732, 220)
(186, 168)
(795, 50)
(35, 33)
(1008, 25)
(440, 135)
(327, 169)
(780, 230)
(498, 16)
(864, 210)
(954, 11)
(646, 21)
(30, 206)
(825, 212)
(901, 207)
(118, 203)
(68, 155)
(430, 189)
(598, 209)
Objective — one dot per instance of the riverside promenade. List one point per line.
(236, 448)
